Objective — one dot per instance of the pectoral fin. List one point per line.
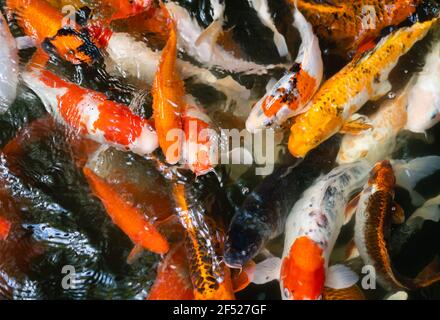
(340, 276)
(356, 124)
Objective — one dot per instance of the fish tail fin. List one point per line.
(408, 174)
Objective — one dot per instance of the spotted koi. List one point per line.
(363, 79)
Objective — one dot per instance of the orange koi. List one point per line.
(210, 277)
(92, 114)
(44, 23)
(168, 91)
(349, 24)
(363, 79)
(173, 281)
(133, 222)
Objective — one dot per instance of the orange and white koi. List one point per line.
(92, 114)
(349, 24)
(363, 79)
(210, 276)
(311, 231)
(45, 24)
(379, 142)
(375, 213)
(296, 88)
(8, 66)
(424, 97)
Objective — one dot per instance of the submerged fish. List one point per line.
(127, 217)
(424, 97)
(91, 113)
(363, 79)
(8, 66)
(379, 142)
(203, 47)
(210, 276)
(375, 213)
(349, 24)
(46, 24)
(311, 231)
(294, 90)
(263, 214)
(127, 8)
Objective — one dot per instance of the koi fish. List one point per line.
(351, 293)
(311, 230)
(133, 222)
(197, 44)
(379, 142)
(45, 24)
(264, 211)
(168, 92)
(377, 210)
(173, 280)
(210, 277)
(424, 97)
(294, 90)
(349, 24)
(262, 9)
(363, 79)
(8, 66)
(91, 113)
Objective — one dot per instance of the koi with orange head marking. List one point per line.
(44, 23)
(210, 277)
(294, 90)
(376, 212)
(92, 114)
(349, 24)
(311, 230)
(127, 217)
(363, 79)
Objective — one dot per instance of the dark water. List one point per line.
(58, 222)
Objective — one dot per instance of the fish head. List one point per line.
(303, 271)
(383, 175)
(242, 244)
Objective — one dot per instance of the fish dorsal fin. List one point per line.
(356, 125)
(351, 251)
(340, 276)
(351, 207)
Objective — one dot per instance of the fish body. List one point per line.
(263, 214)
(127, 217)
(210, 277)
(377, 210)
(8, 66)
(173, 281)
(424, 97)
(348, 24)
(92, 114)
(294, 90)
(379, 142)
(126, 8)
(312, 228)
(363, 79)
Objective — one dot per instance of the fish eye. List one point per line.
(287, 293)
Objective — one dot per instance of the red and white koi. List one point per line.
(92, 114)
(311, 230)
(290, 95)
(8, 66)
(379, 142)
(424, 97)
